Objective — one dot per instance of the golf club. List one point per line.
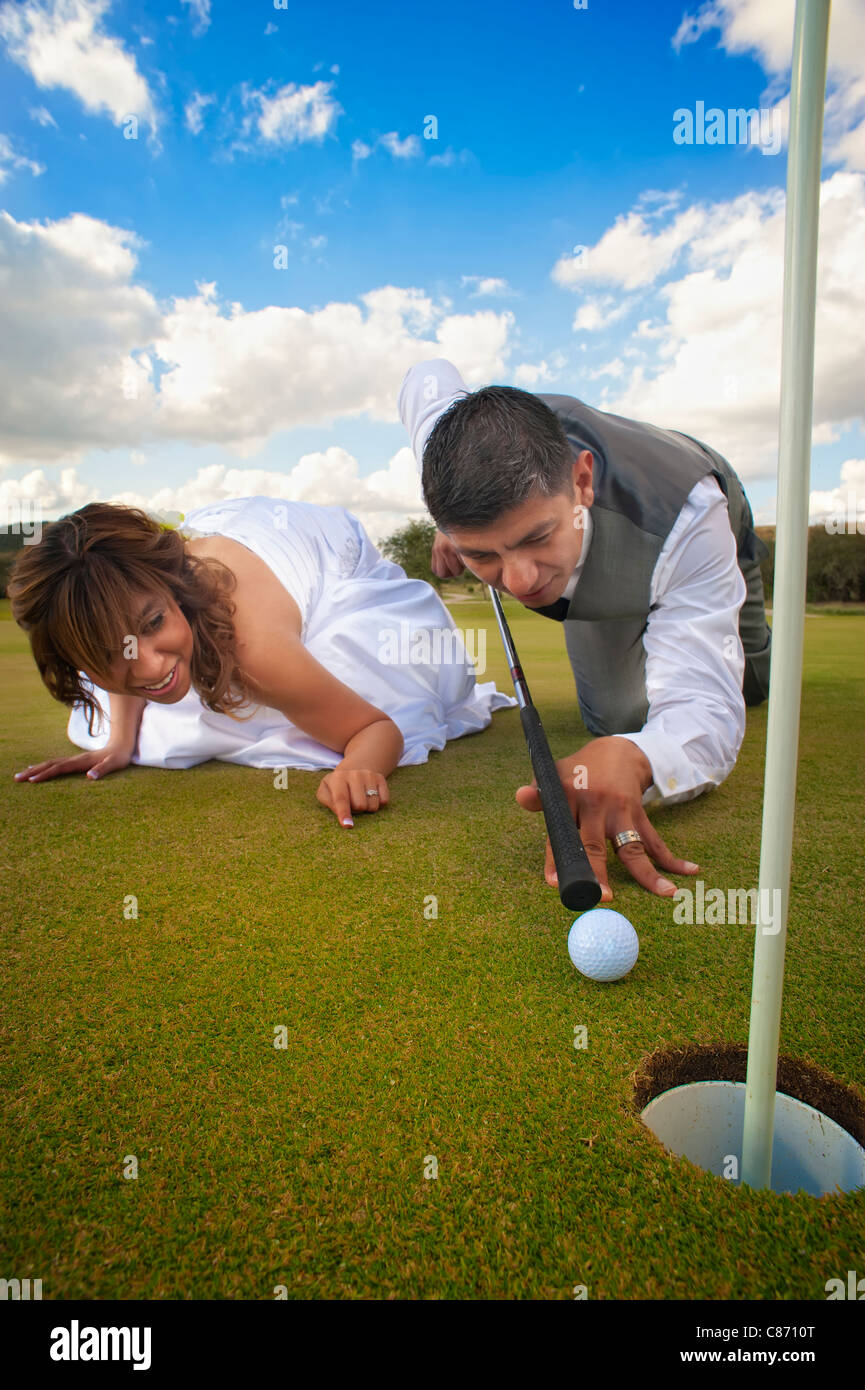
(578, 887)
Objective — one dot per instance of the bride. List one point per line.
(261, 632)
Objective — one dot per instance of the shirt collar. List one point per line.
(571, 585)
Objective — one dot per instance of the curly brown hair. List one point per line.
(74, 595)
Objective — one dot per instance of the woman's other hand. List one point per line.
(95, 763)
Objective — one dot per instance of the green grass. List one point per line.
(406, 1036)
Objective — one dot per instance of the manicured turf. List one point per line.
(406, 1036)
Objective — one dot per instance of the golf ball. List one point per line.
(603, 945)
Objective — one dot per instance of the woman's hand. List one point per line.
(346, 789)
(96, 763)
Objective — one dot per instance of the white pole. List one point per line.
(791, 553)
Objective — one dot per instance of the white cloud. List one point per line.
(657, 202)
(716, 367)
(528, 374)
(46, 497)
(630, 253)
(826, 432)
(409, 148)
(382, 500)
(588, 318)
(843, 505)
(615, 368)
(293, 115)
(43, 116)
(9, 160)
(200, 15)
(451, 157)
(847, 500)
(194, 109)
(486, 285)
(766, 30)
(71, 325)
(81, 344)
(61, 43)
(845, 124)
(478, 342)
(599, 313)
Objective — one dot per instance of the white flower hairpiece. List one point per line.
(169, 521)
(174, 521)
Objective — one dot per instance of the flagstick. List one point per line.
(791, 555)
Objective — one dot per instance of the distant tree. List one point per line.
(767, 569)
(836, 565)
(11, 542)
(410, 547)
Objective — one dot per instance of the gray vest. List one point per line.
(641, 479)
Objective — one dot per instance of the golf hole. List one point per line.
(693, 1101)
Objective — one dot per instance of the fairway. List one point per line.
(324, 1086)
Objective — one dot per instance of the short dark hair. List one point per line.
(489, 452)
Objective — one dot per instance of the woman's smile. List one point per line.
(164, 686)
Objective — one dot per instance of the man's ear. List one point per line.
(583, 471)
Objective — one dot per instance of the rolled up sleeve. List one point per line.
(694, 656)
(428, 390)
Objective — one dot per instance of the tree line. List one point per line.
(836, 563)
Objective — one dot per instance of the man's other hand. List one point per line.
(445, 561)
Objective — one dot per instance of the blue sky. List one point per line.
(553, 235)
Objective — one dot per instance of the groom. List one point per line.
(640, 542)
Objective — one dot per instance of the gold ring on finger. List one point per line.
(627, 837)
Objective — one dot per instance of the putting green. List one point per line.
(410, 1044)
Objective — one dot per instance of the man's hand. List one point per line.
(445, 561)
(345, 790)
(611, 775)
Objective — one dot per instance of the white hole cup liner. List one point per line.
(703, 1122)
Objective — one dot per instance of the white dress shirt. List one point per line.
(694, 658)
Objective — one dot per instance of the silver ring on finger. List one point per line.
(627, 837)
(371, 791)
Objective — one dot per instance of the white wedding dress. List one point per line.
(371, 627)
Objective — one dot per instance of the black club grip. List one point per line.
(578, 887)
